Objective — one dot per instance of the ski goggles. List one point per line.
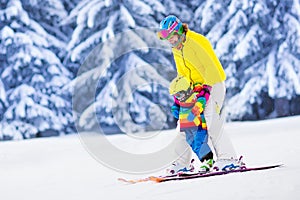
(183, 95)
(165, 34)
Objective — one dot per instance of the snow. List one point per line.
(53, 69)
(209, 17)
(140, 7)
(38, 40)
(2, 92)
(6, 32)
(75, 36)
(18, 130)
(62, 168)
(248, 43)
(156, 5)
(82, 14)
(92, 14)
(270, 69)
(127, 16)
(234, 5)
(21, 92)
(58, 81)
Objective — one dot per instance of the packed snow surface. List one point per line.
(62, 168)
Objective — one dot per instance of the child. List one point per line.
(190, 101)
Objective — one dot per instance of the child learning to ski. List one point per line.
(189, 103)
(196, 60)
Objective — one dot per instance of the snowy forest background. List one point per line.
(105, 54)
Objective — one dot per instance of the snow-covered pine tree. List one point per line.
(125, 31)
(48, 13)
(32, 75)
(3, 102)
(242, 33)
(258, 43)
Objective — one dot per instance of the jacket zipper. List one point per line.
(190, 71)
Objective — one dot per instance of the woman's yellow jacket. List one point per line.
(197, 60)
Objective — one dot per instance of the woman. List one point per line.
(195, 59)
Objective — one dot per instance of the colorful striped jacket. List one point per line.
(190, 113)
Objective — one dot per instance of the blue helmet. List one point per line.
(168, 26)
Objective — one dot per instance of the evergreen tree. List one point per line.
(123, 31)
(257, 42)
(32, 75)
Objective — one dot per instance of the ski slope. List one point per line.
(61, 168)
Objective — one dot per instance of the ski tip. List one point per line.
(133, 181)
(277, 165)
(156, 179)
(263, 167)
(127, 181)
(280, 165)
